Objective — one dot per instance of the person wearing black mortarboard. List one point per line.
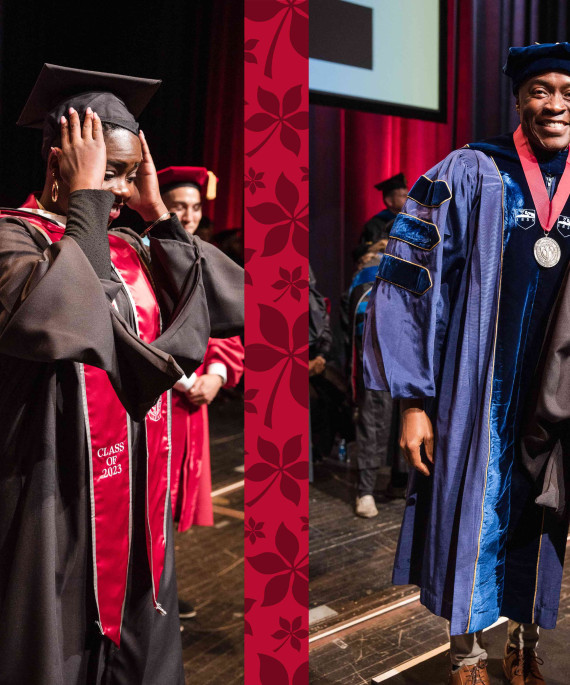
(394, 192)
(94, 331)
(455, 326)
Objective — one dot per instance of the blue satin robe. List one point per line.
(457, 316)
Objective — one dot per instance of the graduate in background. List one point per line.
(92, 336)
(394, 192)
(454, 328)
(191, 484)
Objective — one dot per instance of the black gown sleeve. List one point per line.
(56, 304)
(199, 289)
(174, 258)
(54, 307)
(87, 216)
(223, 281)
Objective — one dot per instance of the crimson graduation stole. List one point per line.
(109, 447)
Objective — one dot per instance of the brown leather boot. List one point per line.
(470, 675)
(521, 667)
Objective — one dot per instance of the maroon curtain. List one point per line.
(195, 47)
(498, 25)
(223, 130)
(351, 151)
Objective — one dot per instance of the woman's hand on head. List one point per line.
(82, 159)
(146, 198)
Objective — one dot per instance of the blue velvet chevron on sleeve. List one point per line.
(414, 231)
(407, 275)
(430, 193)
(408, 311)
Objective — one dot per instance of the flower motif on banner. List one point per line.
(247, 604)
(276, 394)
(290, 282)
(248, 253)
(261, 357)
(277, 115)
(252, 181)
(290, 632)
(249, 397)
(286, 219)
(288, 572)
(272, 672)
(298, 27)
(248, 46)
(284, 466)
(253, 530)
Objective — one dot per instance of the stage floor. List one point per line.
(209, 562)
(362, 629)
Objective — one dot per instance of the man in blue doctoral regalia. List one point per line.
(454, 328)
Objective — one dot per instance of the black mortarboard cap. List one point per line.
(522, 63)
(117, 99)
(392, 183)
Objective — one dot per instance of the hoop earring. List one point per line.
(54, 190)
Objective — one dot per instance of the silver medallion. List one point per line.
(547, 252)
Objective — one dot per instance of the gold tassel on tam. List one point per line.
(211, 187)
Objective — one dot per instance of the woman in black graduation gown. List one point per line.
(66, 309)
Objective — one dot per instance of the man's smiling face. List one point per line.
(543, 102)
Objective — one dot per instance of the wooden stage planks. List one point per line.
(209, 564)
(356, 579)
(350, 557)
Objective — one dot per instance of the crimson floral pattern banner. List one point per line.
(276, 144)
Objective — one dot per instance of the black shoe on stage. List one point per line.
(395, 491)
(185, 609)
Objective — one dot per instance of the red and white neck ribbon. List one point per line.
(547, 211)
(158, 435)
